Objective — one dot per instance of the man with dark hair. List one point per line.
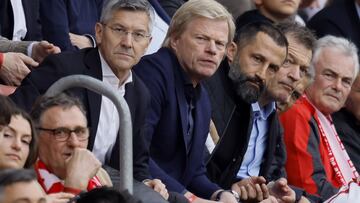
(240, 80)
(20, 185)
(64, 164)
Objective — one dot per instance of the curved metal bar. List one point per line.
(125, 130)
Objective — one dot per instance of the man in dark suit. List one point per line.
(122, 36)
(341, 19)
(178, 122)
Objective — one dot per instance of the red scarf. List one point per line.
(52, 184)
(339, 158)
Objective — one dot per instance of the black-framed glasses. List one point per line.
(63, 134)
(120, 31)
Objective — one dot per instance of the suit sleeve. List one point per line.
(37, 82)
(201, 185)
(277, 168)
(13, 46)
(304, 165)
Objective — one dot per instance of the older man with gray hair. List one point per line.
(310, 136)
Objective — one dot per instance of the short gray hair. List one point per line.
(110, 6)
(343, 45)
(194, 9)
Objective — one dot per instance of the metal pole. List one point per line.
(125, 130)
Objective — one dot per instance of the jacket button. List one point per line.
(234, 159)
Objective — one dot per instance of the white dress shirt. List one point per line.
(107, 130)
(19, 20)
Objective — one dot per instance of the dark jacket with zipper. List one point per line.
(233, 120)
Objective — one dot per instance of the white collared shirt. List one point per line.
(107, 130)
(19, 20)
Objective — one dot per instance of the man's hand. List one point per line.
(158, 186)
(14, 68)
(281, 190)
(42, 49)
(61, 197)
(80, 168)
(227, 197)
(251, 189)
(80, 41)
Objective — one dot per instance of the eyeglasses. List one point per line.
(63, 134)
(138, 36)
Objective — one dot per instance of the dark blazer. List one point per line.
(87, 62)
(233, 119)
(166, 126)
(59, 17)
(339, 19)
(31, 11)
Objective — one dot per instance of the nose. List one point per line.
(261, 73)
(73, 141)
(16, 144)
(294, 73)
(126, 40)
(211, 47)
(337, 84)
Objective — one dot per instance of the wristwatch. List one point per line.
(234, 193)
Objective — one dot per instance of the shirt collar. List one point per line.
(264, 112)
(109, 76)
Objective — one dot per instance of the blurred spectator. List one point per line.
(347, 123)
(19, 20)
(20, 185)
(273, 11)
(70, 24)
(341, 18)
(309, 134)
(18, 139)
(237, 8)
(308, 8)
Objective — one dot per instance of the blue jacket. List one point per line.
(166, 126)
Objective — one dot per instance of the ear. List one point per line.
(99, 29)
(173, 43)
(231, 51)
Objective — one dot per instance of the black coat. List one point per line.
(233, 120)
(87, 62)
(339, 19)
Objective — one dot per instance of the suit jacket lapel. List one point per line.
(181, 100)
(93, 69)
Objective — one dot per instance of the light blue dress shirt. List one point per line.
(257, 142)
